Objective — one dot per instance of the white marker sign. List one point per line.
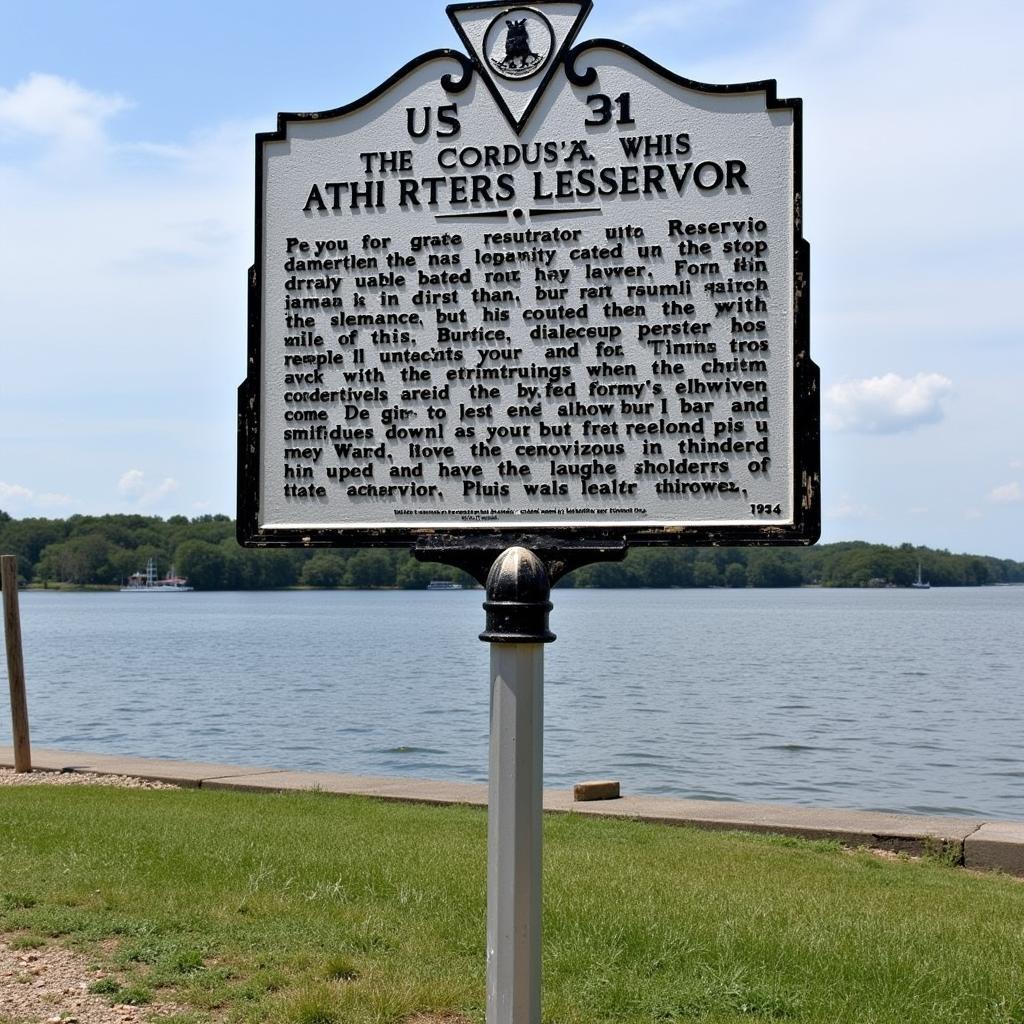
(537, 288)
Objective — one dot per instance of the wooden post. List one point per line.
(15, 664)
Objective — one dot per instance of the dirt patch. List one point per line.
(50, 985)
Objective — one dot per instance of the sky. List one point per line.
(126, 229)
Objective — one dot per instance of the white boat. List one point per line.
(443, 585)
(919, 584)
(147, 582)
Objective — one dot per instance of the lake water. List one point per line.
(886, 699)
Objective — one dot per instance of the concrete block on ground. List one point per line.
(596, 789)
(996, 845)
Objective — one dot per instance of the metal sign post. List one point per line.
(518, 581)
(514, 805)
(517, 608)
(519, 308)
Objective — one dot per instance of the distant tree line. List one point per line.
(106, 550)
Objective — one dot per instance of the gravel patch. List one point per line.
(50, 985)
(9, 777)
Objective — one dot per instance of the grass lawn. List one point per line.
(313, 909)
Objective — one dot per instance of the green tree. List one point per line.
(705, 572)
(606, 574)
(370, 567)
(82, 559)
(242, 568)
(202, 563)
(653, 567)
(324, 569)
(125, 561)
(735, 575)
(976, 573)
(26, 539)
(105, 549)
(769, 569)
(275, 568)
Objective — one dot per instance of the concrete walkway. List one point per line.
(978, 844)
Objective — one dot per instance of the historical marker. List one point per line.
(524, 307)
(536, 287)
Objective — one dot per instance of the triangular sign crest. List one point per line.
(517, 48)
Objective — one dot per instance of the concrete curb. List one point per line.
(978, 844)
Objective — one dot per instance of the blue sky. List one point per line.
(126, 230)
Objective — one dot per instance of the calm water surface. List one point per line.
(890, 699)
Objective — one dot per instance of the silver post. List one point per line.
(514, 834)
(517, 628)
(517, 606)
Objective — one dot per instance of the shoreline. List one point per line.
(975, 843)
(114, 588)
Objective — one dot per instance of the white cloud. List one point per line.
(846, 508)
(136, 487)
(159, 244)
(160, 238)
(57, 109)
(14, 491)
(1007, 494)
(131, 483)
(886, 405)
(26, 496)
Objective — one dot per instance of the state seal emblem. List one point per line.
(519, 42)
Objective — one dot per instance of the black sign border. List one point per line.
(804, 530)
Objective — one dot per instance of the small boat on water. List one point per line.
(443, 585)
(920, 584)
(147, 582)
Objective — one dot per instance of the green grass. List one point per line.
(310, 909)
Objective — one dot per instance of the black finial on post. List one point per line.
(517, 605)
